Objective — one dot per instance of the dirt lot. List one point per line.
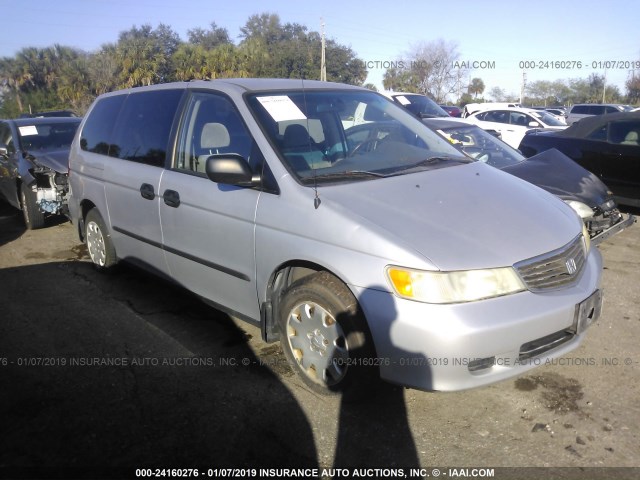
(107, 373)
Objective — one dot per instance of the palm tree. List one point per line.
(476, 86)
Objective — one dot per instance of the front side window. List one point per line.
(212, 126)
(345, 135)
(520, 119)
(144, 126)
(497, 116)
(625, 132)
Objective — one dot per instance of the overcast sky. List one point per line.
(499, 32)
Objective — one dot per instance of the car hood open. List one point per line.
(463, 217)
(558, 174)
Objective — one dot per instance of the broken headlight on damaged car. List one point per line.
(599, 218)
(582, 209)
(453, 287)
(51, 189)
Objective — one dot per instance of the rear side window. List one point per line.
(96, 132)
(580, 109)
(596, 109)
(144, 126)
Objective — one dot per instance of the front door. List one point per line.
(208, 228)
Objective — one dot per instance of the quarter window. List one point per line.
(96, 132)
(599, 134)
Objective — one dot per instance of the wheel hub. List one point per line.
(317, 342)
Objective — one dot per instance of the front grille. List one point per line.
(556, 269)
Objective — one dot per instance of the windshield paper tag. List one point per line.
(28, 130)
(403, 100)
(281, 108)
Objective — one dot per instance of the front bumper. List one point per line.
(616, 228)
(461, 346)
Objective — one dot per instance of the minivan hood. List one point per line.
(558, 174)
(462, 217)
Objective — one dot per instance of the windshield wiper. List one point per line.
(436, 159)
(346, 174)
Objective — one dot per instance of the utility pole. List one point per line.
(522, 85)
(323, 64)
(604, 85)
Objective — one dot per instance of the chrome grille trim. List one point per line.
(556, 269)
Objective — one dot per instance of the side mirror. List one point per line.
(230, 169)
(534, 124)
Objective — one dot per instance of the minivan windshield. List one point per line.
(348, 135)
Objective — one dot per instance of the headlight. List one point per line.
(608, 205)
(453, 287)
(582, 209)
(587, 238)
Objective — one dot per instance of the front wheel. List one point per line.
(99, 245)
(33, 216)
(324, 335)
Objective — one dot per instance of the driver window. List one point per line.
(212, 126)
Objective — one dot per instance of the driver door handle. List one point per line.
(171, 198)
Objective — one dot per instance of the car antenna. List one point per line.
(316, 199)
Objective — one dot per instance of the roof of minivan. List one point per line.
(604, 104)
(247, 84)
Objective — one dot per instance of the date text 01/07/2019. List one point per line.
(578, 64)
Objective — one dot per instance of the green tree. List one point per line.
(476, 87)
(143, 55)
(211, 38)
(633, 89)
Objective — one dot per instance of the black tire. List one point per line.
(33, 216)
(325, 337)
(98, 240)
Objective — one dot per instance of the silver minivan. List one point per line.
(340, 224)
(579, 111)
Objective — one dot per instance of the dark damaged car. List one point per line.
(606, 145)
(551, 170)
(34, 164)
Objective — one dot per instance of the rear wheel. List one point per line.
(324, 335)
(99, 244)
(33, 216)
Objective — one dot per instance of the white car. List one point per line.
(513, 123)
